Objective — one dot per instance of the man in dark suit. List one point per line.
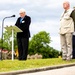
(73, 37)
(23, 22)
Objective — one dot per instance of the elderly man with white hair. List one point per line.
(23, 22)
(67, 22)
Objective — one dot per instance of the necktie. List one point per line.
(21, 20)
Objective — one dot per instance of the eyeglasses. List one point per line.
(20, 13)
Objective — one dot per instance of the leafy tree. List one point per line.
(0, 43)
(7, 40)
(40, 44)
(38, 41)
(53, 53)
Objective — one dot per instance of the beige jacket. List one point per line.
(66, 23)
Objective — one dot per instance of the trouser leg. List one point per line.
(63, 46)
(73, 46)
(20, 49)
(69, 45)
(25, 43)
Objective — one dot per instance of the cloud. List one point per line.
(55, 43)
(44, 15)
(49, 26)
(13, 2)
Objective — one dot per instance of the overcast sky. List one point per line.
(45, 15)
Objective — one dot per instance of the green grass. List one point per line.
(9, 65)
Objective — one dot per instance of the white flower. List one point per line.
(23, 21)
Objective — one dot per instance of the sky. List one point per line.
(45, 16)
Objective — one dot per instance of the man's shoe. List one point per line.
(68, 59)
(64, 59)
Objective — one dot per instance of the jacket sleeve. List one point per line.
(16, 22)
(28, 22)
(73, 17)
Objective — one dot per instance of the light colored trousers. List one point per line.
(66, 45)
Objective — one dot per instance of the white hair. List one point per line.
(21, 10)
(66, 1)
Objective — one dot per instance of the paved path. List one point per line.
(61, 71)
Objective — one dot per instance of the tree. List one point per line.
(7, 40)
(38, 41)
(53, 53)
(40, 44)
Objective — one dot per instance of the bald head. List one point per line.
(66, 5)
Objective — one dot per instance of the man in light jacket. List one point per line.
(66, 31)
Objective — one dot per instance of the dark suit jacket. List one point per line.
(73, 17)
(24, 26)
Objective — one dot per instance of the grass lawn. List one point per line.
(9, 65)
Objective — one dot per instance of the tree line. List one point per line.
(39, 43)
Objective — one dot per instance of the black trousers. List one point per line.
(73, 46)
(23, 44)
